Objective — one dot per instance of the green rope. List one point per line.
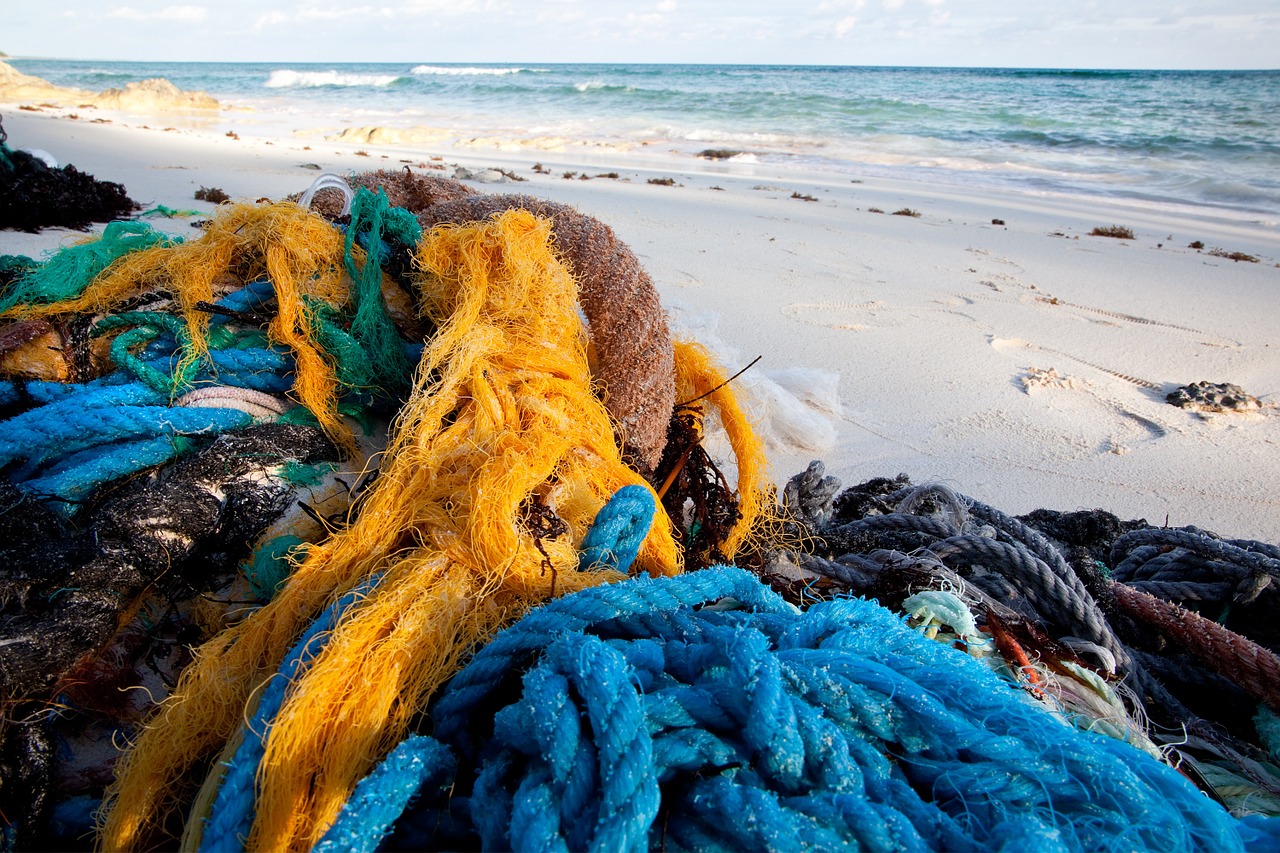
(270, 565)
(70, 270)
(372, 327)
(146, 326)
(169, 212)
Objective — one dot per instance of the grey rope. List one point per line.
(1063, 599)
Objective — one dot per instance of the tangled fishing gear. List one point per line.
(631, 343)
(298, 476)
(130, 353)
(705, 713)
(35, 195)
(1090, 614)
(501, 458)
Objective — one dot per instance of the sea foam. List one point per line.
(289, 79)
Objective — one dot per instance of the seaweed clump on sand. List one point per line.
(35, 195)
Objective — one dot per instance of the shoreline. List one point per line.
(1023, 364)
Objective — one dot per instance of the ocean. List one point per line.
(1170, 137)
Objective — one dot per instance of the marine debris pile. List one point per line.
(384, 519)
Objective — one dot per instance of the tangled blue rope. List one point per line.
(704, 712)
(232, 816)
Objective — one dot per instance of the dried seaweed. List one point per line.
(34, 196)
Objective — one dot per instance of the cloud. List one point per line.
(445, 8)
(181, 14)
(308, 14)
(844, 26)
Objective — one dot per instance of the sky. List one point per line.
(1195, 34)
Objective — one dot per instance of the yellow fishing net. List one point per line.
(501, 426)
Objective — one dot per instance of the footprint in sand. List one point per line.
(996, 259)
(834, 315)
(1037, 379)
(683, 279)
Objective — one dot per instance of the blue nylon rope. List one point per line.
(381, 797)
(232, 816)
(619, 529)
(644, 714)
(41, 435)
(76, 476)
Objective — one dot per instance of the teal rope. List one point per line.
(70, 270)
(619, 529)
(373, 219)
(147, 325)
(269, 566)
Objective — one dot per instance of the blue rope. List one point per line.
(381, 797)
(95, 419)
(232, 816)
(76, 476)
(619, 529)
(703, 712)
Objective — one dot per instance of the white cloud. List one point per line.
(845, 26)
(446, 8)
(181, 14)
(308, 14)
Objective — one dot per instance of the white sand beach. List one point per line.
(1024, 363)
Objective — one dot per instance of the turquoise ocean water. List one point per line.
(1188, 137)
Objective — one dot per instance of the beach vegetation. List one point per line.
(804, 197)
(1196, 244)
(663, 182)
(718, 153)
(874, 210)
(610, 175)
(569, 176)
(540, 169)
(1233, 256)
(362, 153)
(1119, 232)
(213, 195)
(906, 211)
(231, 134)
